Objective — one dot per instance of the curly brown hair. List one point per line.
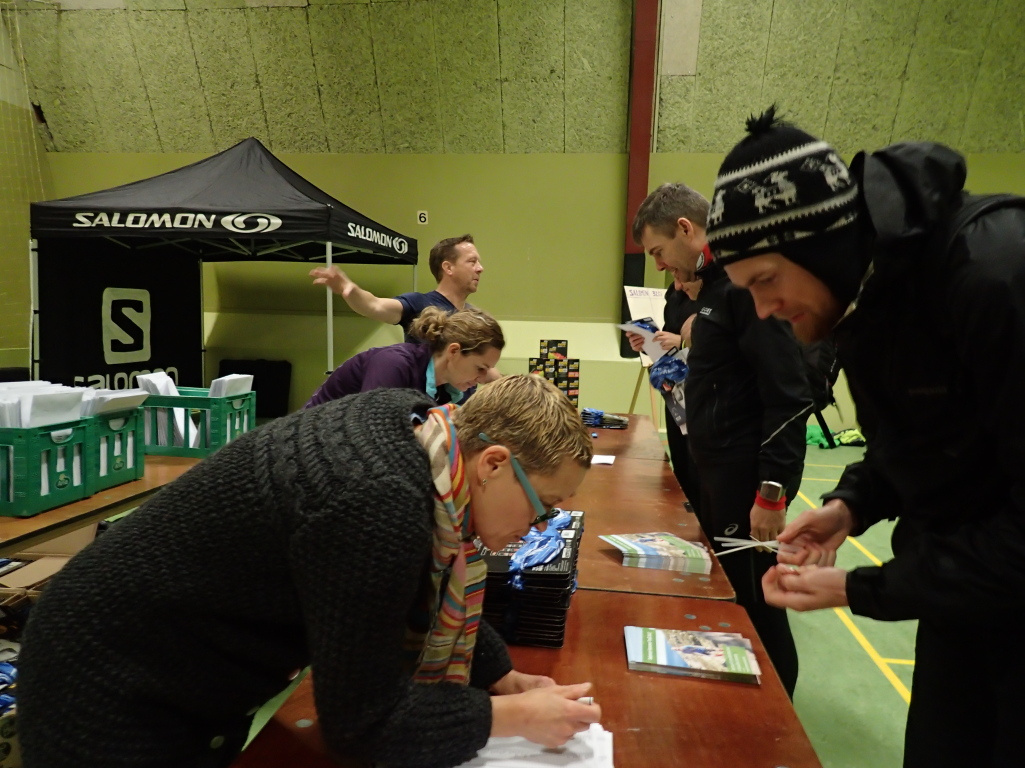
(472, 329)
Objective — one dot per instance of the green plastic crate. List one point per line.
(216, 420)
(42, 467)
(115, 452)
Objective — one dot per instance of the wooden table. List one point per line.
(640, 440)
(18, 533)
(639, 496)
(656, 720)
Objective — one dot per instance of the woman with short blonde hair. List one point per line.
(338, 538)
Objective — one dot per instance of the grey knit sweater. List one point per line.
(304, 542)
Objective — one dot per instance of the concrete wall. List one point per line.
(23, 179)
(516, 76)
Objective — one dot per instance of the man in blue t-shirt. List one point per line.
(455, 264)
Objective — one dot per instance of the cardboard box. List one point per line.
(46, 559)
(555, 349)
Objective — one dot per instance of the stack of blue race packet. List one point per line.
(530, 583)
(592, 417)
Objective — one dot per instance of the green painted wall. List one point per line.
(23, 179)
(549, 227)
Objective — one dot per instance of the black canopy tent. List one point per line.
(242, 204)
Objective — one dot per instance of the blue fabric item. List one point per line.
(592, 417)
(668, 370)
(539, 547)
(646, 324)
(560, 521)
(454, 395)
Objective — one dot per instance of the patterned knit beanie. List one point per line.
(781, 190)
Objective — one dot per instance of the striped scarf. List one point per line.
(446, 652)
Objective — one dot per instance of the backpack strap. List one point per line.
(974, 207)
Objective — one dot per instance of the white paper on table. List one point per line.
(40, 409)
(232, 384)
(589, 749)
(23, 384)
(602, 459)
(10, 412)
(161, 384)
(124, 400)
(88, 400)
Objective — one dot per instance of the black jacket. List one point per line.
(746, 389)
(934, 353)
(679, 306)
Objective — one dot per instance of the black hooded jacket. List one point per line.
(934, 353)
(747, 390)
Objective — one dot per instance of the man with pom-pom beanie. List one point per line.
(923, 288)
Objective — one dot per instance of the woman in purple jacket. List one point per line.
(455, 352)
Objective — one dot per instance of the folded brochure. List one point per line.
(715, 655)
(661, 550)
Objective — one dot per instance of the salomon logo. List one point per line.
(398, 244)
(233, 222)
(264, 222)
(126, 325)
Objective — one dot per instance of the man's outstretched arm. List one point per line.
(360, 301)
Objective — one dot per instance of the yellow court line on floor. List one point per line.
(865, 551)
(823, 479)
(900, 661)
(874, 655)
(831, 466)
(807, 501)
